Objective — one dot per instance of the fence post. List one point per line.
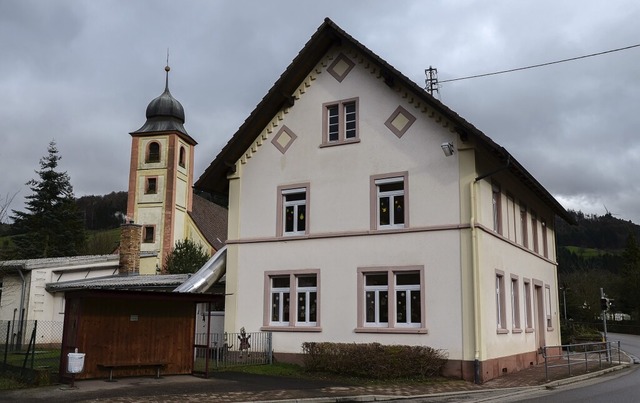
(269, 343)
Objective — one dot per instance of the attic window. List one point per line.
(341, 67)
(340, 122)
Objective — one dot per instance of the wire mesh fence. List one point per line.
(220, 350)
(31, 344)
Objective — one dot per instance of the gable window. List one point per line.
(391, 299)
(148, 235)
(293, 205)
(501, 313)
(181, 157)
(293, 299)
(151, 185)
(340, 122)
(153, 152)
(389, 201)
(497, 209)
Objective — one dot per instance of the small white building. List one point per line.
(362, 209)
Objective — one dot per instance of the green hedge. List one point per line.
(374, 360)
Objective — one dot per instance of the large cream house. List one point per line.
(362, 209)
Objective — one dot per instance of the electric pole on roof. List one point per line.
(431, 81)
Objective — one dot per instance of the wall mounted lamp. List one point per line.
(447, 149)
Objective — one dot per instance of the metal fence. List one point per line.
(31, 344)
(587, 356)
(219, 350)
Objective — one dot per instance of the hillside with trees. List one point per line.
(598, 252)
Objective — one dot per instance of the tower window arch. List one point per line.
(181, 157)
(153, 152)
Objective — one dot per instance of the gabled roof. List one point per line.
(121, 282)
(214, 179)
(69, 262)
(211, 220)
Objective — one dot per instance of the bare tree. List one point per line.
(4, 206)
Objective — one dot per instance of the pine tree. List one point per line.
(186, 257)
(51, 226)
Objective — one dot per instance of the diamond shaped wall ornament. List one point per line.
(400, 121)
(340, 67)
(283, 139)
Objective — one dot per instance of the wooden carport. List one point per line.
(121, 327)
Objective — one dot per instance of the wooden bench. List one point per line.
(111, 366)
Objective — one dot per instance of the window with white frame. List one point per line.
(307, 300)
(280, 300)
(497, 208)
(515, 303)
(523, 226)
(376, 291)
(292, 299)
(389, 201)
(547, 307)
(501, 313)
(528, 309)
(408, 300)
(340, 122)
(534, 231)
(391, 298)
(293, 207)
(545, 245)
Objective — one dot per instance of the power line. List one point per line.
(541, 64)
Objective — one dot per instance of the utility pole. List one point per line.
(431, 82)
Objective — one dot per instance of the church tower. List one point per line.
(161, 177)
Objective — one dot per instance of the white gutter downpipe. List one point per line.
(476, 285)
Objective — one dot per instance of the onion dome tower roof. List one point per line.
(164, 113)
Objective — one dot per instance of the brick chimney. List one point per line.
(130, 238)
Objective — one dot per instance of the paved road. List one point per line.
(622, 386)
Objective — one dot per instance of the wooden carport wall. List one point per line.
(130, 326)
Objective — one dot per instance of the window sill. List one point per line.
(549, 329)
(516, 330)
(339, 143)
(412, 330)
(529, 330)
(291, 328)
(502, 331)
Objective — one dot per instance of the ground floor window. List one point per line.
(292, 299)
(391, 298)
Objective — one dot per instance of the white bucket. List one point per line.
(75, 363)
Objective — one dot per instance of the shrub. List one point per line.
(374, 360)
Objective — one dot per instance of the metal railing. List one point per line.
(584, 354)
(220, 350)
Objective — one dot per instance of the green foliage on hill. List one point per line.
(598, 252)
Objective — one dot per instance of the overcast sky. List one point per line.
(83, 72)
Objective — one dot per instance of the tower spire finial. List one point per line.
(167, 68)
